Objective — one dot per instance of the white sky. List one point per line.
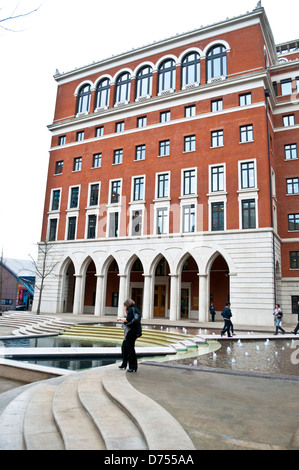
(63, 35)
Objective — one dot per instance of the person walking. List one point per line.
(278, 319)
(212, 311)
(297, 327)
(133, 330)
(227, 314)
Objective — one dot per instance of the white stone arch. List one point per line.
(85, 82)
(189, 51)
(64, 283)
(102, 77)
(167, 57)
(143, 64)
(221, 42)
(120, 72)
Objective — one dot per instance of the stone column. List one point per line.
(174, 297)
(100, 296)
(123, 294)
(147, 296)
(78, 296)
(203, 297)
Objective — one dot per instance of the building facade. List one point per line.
(174, 178)
(17, 280)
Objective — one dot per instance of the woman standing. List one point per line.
(132, 323)
(278, 319)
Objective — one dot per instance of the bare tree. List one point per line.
(14, 16)
(44, 269)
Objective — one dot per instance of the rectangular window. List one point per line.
(74, 200)
(293, 186)
(52, 230)
(97, 160)
(136, 223)
(100, 131)
(163, 185)
(164, 148)
(217, 216)
(141, 122)
(290, 152)
(55, 200)
(59, 167)
(62, 140)
(217, 178)
(138, 190)
(189, 183)
(189, 143)
(162, 220)
(286, 87)
(248, 214)
(77, 164)
(113, 224)
(217, 139)
(118, 156)
(247, 175)
(140, 152)
(190, 111)
(91, 228)
(94, 194)
(80, 136)
(293, 222)
(165, 116)
(294, 260)
(245, 99)
(71, 231)
(288, 120)
(246, 133)
(189, 218)
(216, 105)
(120, 126)
(115, 192)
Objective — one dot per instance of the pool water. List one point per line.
(276, 357)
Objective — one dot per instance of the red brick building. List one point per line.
(174, 178)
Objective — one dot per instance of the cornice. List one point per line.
(257, 15)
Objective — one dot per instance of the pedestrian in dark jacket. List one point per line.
(297, 327)
(227, 314)
(132, 323)
(212, 311)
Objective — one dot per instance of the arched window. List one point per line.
(122, 89)
(103, 92)
(144, 82)
(166, 74)
(191, 69)
(216, 62)
(84, 99)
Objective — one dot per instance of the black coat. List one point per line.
(134, 320)
(227, 314)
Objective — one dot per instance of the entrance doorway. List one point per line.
(184, 303)
(159, 301)
(137, 296)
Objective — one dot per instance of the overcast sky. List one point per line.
(63, 35)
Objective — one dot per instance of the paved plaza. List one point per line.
(218, 409)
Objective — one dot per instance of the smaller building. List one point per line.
(17, 278)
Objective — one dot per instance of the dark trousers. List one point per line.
(226, 328)
(128, 350)
(296, 329)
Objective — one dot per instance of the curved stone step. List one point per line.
(77, 429)
(117, 429)
(40, 430)
(160, 429)
(12, 419)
